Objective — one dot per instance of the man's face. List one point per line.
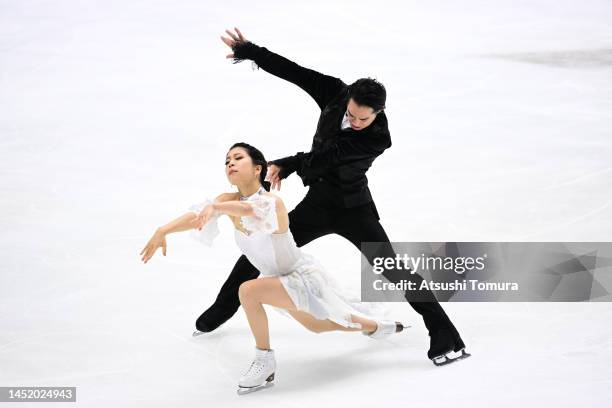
(359, 116)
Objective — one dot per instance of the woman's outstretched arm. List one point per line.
(183, 223)
(158, 240)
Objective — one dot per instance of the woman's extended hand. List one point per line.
(234, 38)
(204, 217)
(273, 176)
(157, 240)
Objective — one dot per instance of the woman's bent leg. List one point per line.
(253, 295)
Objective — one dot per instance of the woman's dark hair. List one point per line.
(258, 159)
(368, 92)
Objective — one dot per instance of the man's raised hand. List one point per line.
(234, 38)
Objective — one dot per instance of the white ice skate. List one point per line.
(385, 329)
(260, 374)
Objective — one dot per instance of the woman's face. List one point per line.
(239, 167)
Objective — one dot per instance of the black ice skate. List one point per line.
(450, 357)
(446, 347)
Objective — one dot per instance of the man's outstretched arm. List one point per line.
(322, 88)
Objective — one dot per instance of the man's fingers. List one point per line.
(229, 56)
(275, 182)
(240, 34)
(227, 41)
(232, 35)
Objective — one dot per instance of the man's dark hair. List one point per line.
(257, 157)
(368, 92)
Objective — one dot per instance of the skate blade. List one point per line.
(399, 327)
(249, 390)
(198, 333)
(451, 357)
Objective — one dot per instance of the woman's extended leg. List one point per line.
(320, 326)
(255, 293)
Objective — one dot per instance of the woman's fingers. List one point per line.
(145, 250)
(194, 222)
(150, 253)
(149, 250)
(199, 223)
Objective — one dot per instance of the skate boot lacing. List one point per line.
(256, 366)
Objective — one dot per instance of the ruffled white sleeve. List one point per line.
(210, 230)
(265, 219)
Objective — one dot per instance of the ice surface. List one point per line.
(115, 116)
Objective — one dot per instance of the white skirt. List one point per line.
(313, 291)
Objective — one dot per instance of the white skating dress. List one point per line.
(310, 288)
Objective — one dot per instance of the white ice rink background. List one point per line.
(116, 116)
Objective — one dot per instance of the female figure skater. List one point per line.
(291, 280)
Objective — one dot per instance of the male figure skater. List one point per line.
(352, 131)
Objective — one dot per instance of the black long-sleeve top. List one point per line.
(338, 157)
